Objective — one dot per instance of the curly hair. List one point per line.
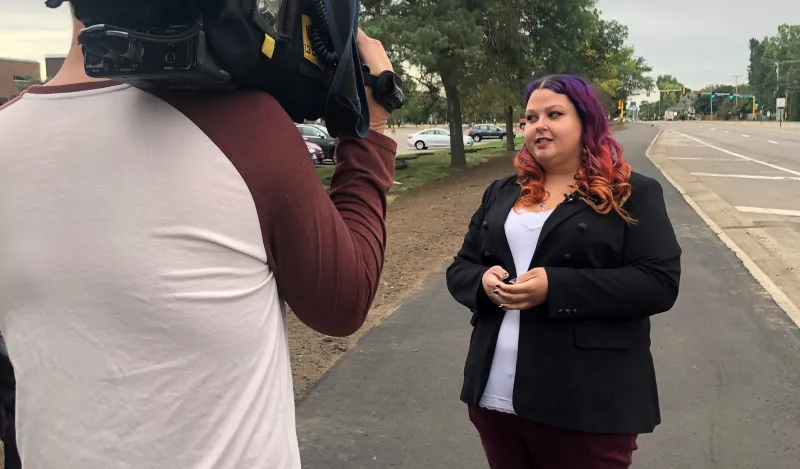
(602, 179)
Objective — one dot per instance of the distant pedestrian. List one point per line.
(562, 266)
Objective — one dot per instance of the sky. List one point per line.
(701, 42)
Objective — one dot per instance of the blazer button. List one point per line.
(485, 225)
(582, 227)
(568, 311)
(567, 256)
(487, 254)
(560, 310)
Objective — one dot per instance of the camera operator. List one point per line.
(147, 245)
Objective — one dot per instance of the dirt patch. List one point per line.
(426, 226)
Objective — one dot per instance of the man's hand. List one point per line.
(374, 56)
(492, 280)
(529, 290)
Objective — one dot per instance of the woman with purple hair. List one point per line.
(562, 266)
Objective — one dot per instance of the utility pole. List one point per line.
(736, 77)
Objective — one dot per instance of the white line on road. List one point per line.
(745, 135)
(773, 166)
(746, 176)
(707, 159)
(727, 131)
(772, 142)
(770, 211)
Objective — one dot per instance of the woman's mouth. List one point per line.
(543, 142)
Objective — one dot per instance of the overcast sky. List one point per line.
(701, 42)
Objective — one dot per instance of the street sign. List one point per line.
(780, 102)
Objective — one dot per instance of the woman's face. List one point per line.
(553, 131)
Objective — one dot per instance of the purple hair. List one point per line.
(603, 176)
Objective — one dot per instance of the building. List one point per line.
(16, 74)
(52, 64)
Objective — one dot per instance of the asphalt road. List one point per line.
(727, 357)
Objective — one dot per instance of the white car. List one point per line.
(432, 138)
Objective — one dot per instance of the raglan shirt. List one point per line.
(147, 246)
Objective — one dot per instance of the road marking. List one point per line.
(770, 211)
(707, 159)
(747, 176)
(745, 135)
(783, 301)
(747, 158)
(727, 131)
(773, 142)
(712, 128)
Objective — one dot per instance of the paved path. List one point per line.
(727, 357)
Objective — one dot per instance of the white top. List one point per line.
(522, 231)
(164, 324)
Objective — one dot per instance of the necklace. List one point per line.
(543, 205)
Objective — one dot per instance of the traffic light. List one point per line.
(713, 95)
(730, 96)
(683, 92)
(698, 93)
(758, 104)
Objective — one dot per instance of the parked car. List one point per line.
(318, 134)
(486, 131)
(431, 138)
(317, 155)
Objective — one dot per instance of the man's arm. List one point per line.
(326, 251)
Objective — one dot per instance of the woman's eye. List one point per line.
(554, 114)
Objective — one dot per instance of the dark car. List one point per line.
(319, 135)
(486, 131)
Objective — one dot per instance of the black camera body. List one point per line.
(303, 52)
(179, 63)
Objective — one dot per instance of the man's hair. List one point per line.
(124, 13)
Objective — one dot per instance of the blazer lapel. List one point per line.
(496, 218)
(562, 213)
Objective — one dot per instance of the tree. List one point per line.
(483, 52)
(446, 47)
(25, 82)
(766, 55)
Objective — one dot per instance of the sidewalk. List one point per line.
(728, 363)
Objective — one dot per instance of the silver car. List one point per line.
(432, 138)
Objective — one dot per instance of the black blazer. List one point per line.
(584, 355)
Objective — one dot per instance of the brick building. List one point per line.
(52, 64)
(14, 72)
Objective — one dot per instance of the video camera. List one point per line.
(303, 52)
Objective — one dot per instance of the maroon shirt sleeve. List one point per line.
(327, 251)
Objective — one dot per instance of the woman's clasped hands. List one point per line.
(524, 292)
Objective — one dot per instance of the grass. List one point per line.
(432, 166)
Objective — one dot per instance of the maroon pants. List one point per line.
(511, 442)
